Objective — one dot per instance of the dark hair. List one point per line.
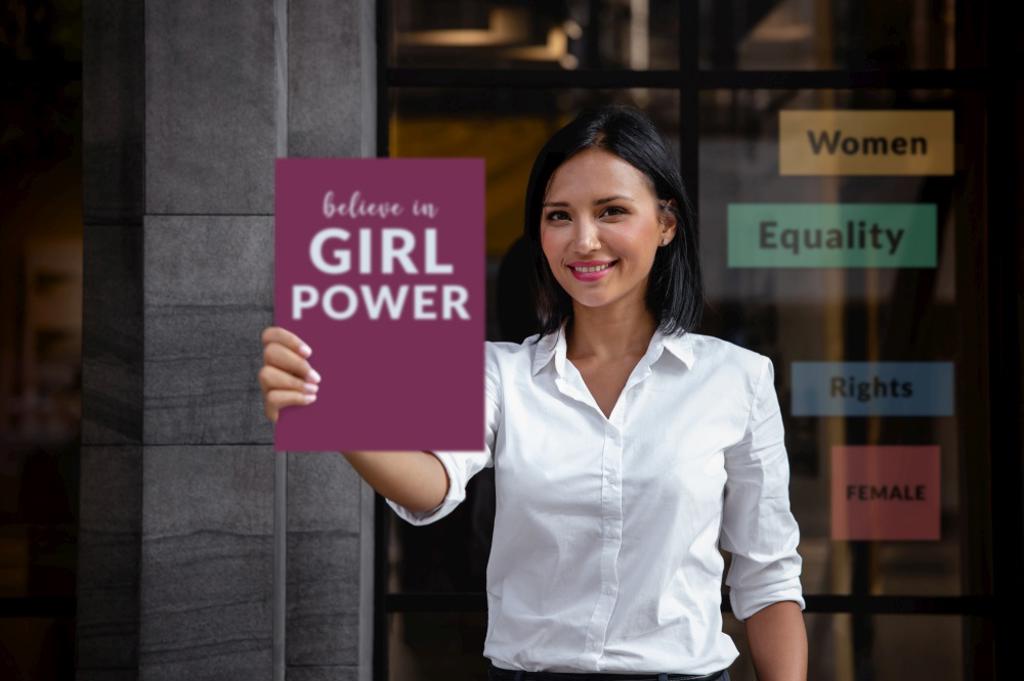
(675, 292)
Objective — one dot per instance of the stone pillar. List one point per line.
(187, 104)
(109, 538)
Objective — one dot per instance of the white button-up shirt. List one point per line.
(605, 554)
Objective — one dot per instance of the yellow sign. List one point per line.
(857, 142)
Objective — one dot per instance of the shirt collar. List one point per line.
(554, 345)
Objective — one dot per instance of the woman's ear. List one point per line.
(667, 218)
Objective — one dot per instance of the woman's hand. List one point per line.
(286, 378)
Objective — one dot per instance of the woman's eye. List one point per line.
(562, 215)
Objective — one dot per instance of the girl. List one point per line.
(627, 448)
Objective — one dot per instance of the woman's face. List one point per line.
(599, 209)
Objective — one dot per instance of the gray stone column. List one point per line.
(109, 538)
(187, 104)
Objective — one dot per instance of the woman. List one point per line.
(626, 447)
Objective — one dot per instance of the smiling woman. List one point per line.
(606, 189)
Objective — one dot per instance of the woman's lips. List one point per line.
(593, 276)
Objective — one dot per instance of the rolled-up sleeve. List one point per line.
(463, 465)
(758, 528)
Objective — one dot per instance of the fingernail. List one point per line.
(305, 350)
(313, 376)
(310, 387)
(308, 398)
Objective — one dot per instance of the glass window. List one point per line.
(928, 304)
(40, 336)
(37, 648)
(827, 34)
(835, 314)
(535, 34)
(437, 646)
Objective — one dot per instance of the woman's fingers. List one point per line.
(277, 334)
(272, 378)
(285, 378)
(276, 400)
(277, 355)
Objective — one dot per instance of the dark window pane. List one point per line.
(37, 648)
(537, 34)
(827, 34)
(437, 646)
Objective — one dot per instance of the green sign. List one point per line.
(832, 234)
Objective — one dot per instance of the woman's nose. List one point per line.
(585, 238)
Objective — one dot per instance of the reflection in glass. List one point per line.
(826, 34)
(535, 34)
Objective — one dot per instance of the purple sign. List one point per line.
(380, 269)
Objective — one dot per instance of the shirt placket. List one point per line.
(611, 504)
(611, 538)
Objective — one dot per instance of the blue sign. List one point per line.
(872, 389)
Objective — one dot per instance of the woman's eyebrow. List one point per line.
(598, 202)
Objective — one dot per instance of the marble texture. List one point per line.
(211, 105)
(323, 564)
(110, 488)
(326, 105)
(113, 116)
(323, 673)
(112, 324)
(187, 106)
(331, 112)
(109, 535)
(208, 295)
(207, 559)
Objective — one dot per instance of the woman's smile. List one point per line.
(591, 272)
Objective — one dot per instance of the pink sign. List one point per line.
(885, 492)
(380, 269)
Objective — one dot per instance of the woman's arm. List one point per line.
(778, 642)
(415, 479)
